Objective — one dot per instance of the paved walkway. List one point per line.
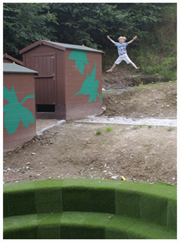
(167, 122)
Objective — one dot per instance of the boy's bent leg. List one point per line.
(132, 63)
(117, 62)
(129, 61)
(110, 70)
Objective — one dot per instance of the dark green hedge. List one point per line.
(89, 208)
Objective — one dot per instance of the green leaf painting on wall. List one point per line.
(14, 111)
(90, 86)
(80, 58)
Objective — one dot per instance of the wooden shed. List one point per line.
(9, 59)
(19, 114)
(69, 81)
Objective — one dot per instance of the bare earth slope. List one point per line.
(159, 100)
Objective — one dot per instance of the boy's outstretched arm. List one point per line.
(135, 37)
(110, 39)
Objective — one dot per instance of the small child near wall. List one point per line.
(121, 46)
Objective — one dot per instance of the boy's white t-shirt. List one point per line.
(121, 47)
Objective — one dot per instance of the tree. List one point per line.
(89, 23)
(25, 23)
(84, 23)
(80, 23)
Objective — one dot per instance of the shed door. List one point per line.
(45, 83)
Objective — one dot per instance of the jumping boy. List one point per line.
(121, 47)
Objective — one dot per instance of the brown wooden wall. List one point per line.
(7, 61)
(74, 79)
(78, 106)
(23, 85)
(49, 62)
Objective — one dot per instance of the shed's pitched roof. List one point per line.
(60, 46)
(78, 47)
(6, 56)
(14, 68)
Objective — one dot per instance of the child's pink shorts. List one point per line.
(123, 58)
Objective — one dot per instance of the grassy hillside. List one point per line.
(157, 55)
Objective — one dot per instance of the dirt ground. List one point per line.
(158, 100)
(70, 150)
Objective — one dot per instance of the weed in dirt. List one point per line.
(104, 92)
(142, 125)
(170, 128)
(134, 127)
(123, 130)
(98, 132)
(108, 129)
(149, 126)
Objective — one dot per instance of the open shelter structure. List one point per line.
(69, 80)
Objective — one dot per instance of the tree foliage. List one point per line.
(25, 23)
(89, 23)
(79, 23)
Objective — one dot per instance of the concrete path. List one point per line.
(58, 123)
(167, 122)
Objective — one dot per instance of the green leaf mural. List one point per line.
(14, 112)
(90, 86)
(80, 58)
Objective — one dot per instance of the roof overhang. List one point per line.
(60, 46)
(14, 68)
(41, 42)
(6, 56)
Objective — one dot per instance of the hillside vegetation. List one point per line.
(88, 24)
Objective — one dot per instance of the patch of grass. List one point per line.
(149, 126)
(98, 132)
(108, 129)
(134, 127)
(104, 92)
(123, 130)
(142, 125)
(170, 128)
